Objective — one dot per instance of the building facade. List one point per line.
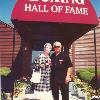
(82, 50)
(7, 50)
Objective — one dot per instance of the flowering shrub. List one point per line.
(85, 87)
(19, 88)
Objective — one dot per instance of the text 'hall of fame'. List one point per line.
(56, 8)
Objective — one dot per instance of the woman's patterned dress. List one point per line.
(43, 62)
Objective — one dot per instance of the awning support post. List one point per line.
(95, 60)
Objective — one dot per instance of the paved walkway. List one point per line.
(48, 96)
(31, 97)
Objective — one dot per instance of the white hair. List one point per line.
(48, 44)
(57, 44)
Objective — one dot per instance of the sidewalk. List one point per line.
(73, 95)
(31, 97)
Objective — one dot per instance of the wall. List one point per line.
(84, 49)
(6, 44)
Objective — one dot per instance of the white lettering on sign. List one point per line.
(78, 1)
(67, 9)
(63, 1)
(35, 8)
(55, 8)
(76, 10)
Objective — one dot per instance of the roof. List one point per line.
(10, 25)
(62, 11)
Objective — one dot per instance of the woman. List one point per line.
(43, 62)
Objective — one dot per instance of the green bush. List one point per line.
(87, 74)
(92, 70)
(4, 71)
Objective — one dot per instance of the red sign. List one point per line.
(66, 11)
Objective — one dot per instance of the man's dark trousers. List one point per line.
(64, 90)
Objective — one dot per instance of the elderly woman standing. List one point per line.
(42, 89)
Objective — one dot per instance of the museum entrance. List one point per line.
(60, 22)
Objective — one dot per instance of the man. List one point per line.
(61, 71)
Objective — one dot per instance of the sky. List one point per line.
(6, 7)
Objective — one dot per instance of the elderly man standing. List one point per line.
(61, 71)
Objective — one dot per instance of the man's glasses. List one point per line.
(56, 46)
